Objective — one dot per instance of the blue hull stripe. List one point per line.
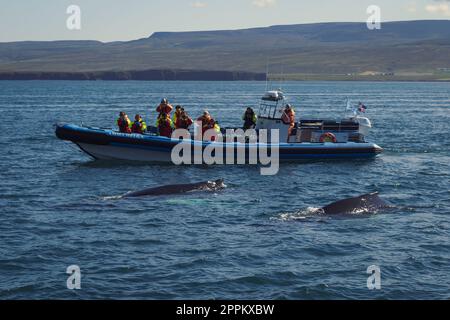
(282, 156)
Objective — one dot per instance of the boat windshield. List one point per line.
(271, 103)
(268, 109)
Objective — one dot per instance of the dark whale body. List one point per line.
(367, 203)
(178, 189)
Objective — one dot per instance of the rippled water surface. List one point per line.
(251, 241)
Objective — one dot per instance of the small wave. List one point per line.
(431, 173)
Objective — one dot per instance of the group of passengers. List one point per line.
(126, 126)
(165, 124)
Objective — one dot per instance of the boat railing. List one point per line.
(328, 125)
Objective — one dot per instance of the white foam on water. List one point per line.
(109, 198)
(299, 215)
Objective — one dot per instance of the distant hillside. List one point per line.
(169, 75)
(338, 49)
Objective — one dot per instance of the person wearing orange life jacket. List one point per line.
(164, 125)
(164, 107)
(288, 117)
(208, 123)
(177, 114)
(183, 121)
(139, 126)
(124, 123)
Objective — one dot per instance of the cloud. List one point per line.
(199, 4)
(441, 7)
(264, 3)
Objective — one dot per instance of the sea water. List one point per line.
(259, 238)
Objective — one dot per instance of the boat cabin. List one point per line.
(272, 106)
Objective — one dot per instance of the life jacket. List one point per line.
(176, 116)
(139, 127)
(289, 117)
(207, 123)
(164, 127)
(164, 108)
(164, 122)
(124, 125)
(183, 123)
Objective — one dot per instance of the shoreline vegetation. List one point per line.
(195, 75)
(145, 75)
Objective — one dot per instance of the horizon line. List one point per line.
(222, 30)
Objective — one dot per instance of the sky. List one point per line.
(122, 20)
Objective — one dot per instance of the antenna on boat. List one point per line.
(281, 78)
(267, 75)
(349, 107)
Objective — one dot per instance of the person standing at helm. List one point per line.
(124, 123)
(164, 125)
(139, 126)
(288, 117)
(164, 107)
(250, 119)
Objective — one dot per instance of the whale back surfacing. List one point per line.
(178, 189)
(367, 203)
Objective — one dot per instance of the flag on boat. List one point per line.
(362, 107)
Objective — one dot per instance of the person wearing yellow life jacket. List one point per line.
(288, 117)
(164, 125)
(177, 114)
(139, 126)
(124, 123)
(250, 119)
(217, 127)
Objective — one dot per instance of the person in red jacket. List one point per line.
(164, 107)
(124, 123)
(165, 126)
(183, 121)
(139, 125)
(207, 121)
(178, 110)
